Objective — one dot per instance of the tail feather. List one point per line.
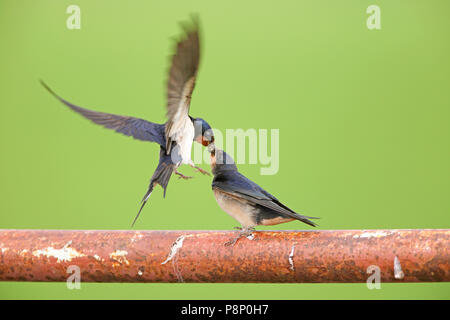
(163, 181)
(306, 220)
(144, 201)
(161, 176)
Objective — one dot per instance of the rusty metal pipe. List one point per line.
(200, 256)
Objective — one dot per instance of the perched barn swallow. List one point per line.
(175, 137)
(244, 200)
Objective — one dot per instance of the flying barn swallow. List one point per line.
(244, 200)
(176, 136)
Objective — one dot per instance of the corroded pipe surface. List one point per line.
(200, 256)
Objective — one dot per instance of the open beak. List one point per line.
(206, 142)
(212, 148)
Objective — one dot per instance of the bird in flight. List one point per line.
(244, 200)
(176, 136)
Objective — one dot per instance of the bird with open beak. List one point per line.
(176, 136)
(244, 200)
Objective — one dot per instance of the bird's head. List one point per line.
(220, 160)
(203, 132)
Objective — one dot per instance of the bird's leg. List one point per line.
(182, 175)
(243, 232)
(199, 169)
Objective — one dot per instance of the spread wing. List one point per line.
(237, 185)
(181, 82)
(137, 128)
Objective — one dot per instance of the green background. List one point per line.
(363, 116)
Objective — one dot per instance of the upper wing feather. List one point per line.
(137, 128)
(181, 82)
(244, 188)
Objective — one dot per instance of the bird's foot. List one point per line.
(201, 170)
(182, 176)
(243, 232)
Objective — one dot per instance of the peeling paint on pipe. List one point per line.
(142, 256)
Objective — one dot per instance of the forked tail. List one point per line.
(306, 220)
(161, 176)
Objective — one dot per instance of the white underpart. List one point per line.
(239, 210)
(182, 133)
